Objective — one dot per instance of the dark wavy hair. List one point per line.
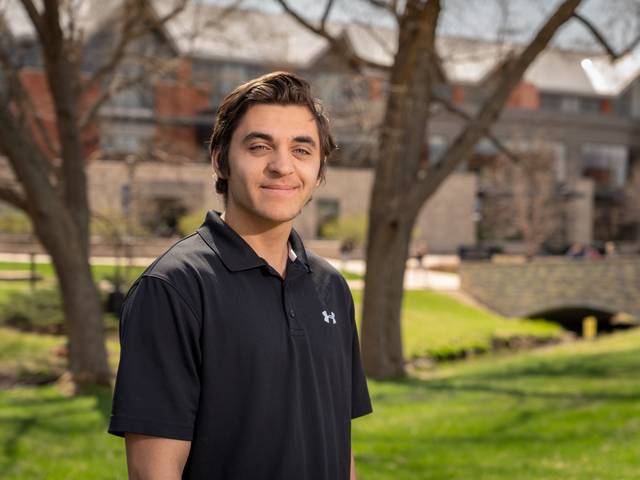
(277, 88)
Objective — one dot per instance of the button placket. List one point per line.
(290, 312)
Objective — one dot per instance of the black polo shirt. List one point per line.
(261, 373)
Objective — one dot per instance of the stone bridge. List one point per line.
(556, 286)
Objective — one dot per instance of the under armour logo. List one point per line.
(329, 318)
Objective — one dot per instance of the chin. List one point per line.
(281, 216)
(278, 213)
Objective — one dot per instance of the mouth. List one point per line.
(281, 189)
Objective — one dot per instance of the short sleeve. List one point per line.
(158, 383)
(360, 401)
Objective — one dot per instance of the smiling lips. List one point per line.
(279, 188)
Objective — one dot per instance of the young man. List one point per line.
(240, 355)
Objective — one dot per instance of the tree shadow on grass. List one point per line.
(10, 444)
(560, 373)
(103, 397)
(47, 414)
(521, 393)
(615, 365)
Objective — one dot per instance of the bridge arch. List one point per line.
(556, 286)
(570, 317)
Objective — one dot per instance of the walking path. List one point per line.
(416, 277)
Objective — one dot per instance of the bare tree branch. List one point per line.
(374, 34)
(513, 69)
(133, 27)
(16, 92)
(390, 7)
(35, 17)
(487, 133)
(337, 44)
(119, 84)
(325, 15)
(10, 194)
(603, 41)
(17, 145)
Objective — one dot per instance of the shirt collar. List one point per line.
(292, 254)
(235, 253)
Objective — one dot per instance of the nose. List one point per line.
(281, 163)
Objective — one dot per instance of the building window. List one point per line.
(552, 102)
(340, 90)
(569, 105)
(133, 98)
(560, 153)
(437, 147)
(223, 77)
(125, 137)
(606, 164)
(634, 104)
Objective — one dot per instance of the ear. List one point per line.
(319, 177)
(215, 157)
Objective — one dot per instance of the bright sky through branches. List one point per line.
(506, 20)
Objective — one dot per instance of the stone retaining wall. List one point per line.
(611, 285)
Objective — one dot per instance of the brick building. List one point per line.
(148, 143)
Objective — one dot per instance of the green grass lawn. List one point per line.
(437, 325)
(568, 412)
(351, 275)
(46, 270)
(28, 356)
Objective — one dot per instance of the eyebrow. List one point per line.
(269, 138)
(305, 139)
(255, 135)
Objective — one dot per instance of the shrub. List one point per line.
(14, 221)
(348, 227)
(189, 223)
(41, 311)
(34, 311)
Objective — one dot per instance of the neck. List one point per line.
(267, 239)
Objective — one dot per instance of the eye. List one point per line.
(302, 151)
(257, 148)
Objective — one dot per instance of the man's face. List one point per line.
(274, 159)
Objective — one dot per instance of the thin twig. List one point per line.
(337, 44)
(603, 41)
(490, 136)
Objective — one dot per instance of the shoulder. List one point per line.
(184, 267)
(188, 256)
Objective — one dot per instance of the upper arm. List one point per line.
(158, 382)
(155, 457)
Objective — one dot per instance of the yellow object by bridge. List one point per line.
(589, 327)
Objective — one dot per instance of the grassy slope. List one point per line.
(436, 324)
(567, 412)
(27, 356)
(46, 435)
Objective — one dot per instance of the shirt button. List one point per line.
(292, 314)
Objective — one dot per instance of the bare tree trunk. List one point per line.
(66, 242)
(387, 251)
(83, 312)
(401, 161)
(87, 352)
(56, 197)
